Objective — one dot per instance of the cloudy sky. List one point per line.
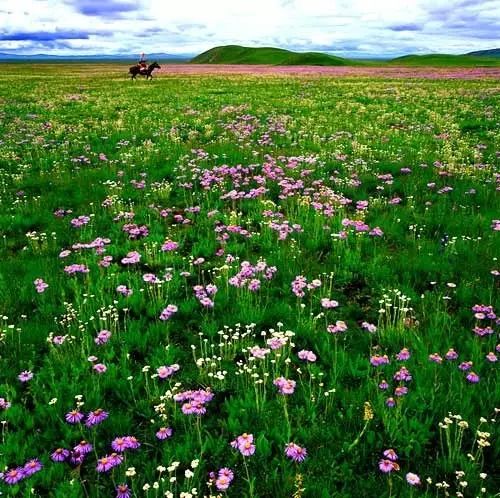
(342, 27)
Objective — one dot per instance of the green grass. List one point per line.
(235, 54)
(275, 171)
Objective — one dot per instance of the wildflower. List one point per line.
(83, 447)
(124, 290)
(401, 391)
(59, 455)
(369, 327)
(295, 452)
(391, 454)
(390, 402)
(412, 479)
(387, 466)
(305, 355)
(285, 386)
(40, 285)
(102, 337)
(74, 417)
(490, 357)
(104, 464)
(166, 371)
(403, 355)
(340, 326)
(123, 491)
(96, 417)
(32, 467)
(164, 433)
(13, 476)
(328, 303)
(451, 355)
(434, 357)
(100, 368)
(4, 404)
(377, 360)
(383, 385)
(472, 377)
(244, 444)
(168, 312)
(25, 376)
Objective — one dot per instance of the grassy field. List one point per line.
(306, 267)
(446, 60)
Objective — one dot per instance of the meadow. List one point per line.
(248, 285)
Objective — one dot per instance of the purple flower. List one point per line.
(25, 376)
(224, 479)
(166, 371)
(340, 326)
(122, 491)
(59, 455)
(244, 444)
(295, 452)
(13, 476)
(164, 433)
(451, 355)
(102, 337)
(74, 417)
(96, 417)
(104, 464)
(387, 466)
(285, 386)
(40, 285)
(472, 377)
(170, 310)
(32, 467)
(5, 405)
(100, 368)
(308, 356)
(403, 355)
(83, 447)
(390, 402)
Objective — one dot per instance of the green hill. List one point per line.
(492, 52)
(445, 60)
(235, 54)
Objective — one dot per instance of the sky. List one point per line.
(355, 28)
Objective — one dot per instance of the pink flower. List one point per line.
(285, 386)
(412, 479)
(295, 452)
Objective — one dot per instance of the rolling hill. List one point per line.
(235, 54)
(493, 52)
(445, 60)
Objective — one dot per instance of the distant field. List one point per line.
(445, 60)
(305, 267)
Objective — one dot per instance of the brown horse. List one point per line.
(136, 70)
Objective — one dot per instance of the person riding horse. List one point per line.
(143, 64)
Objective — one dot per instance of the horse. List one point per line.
(135, 70)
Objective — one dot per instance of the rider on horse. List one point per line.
(143, 63)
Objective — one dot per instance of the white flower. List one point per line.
(194, 464)
(146, 487)
(188, 473)
(130, 472)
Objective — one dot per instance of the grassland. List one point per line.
(446, 60)
(266, 260)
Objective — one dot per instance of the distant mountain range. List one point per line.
(97, 58)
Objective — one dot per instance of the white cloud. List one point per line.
(345, 27)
